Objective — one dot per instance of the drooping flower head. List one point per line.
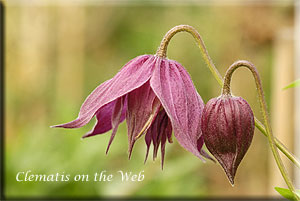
(227, 124)
(156, 96)
(228, 128)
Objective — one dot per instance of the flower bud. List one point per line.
(228, 126)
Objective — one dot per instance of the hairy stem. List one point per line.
(279, 144)
(226, 91)
(162, 50)
(186, 28)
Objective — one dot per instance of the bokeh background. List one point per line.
(57, 52)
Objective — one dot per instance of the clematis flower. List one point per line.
(156, 96)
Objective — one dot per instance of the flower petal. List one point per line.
(157, 133)
(141, 110)
(134, 74)
(103, 116)
(160, 130)
(151, 134)
(116, 119)
(166, 132)
(104, 119)
(148, 139)
(174, 88)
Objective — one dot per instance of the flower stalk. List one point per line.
(263, 105)
(162, 50)
(279, 144)
(186, 28)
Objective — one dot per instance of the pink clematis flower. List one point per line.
(156, 96)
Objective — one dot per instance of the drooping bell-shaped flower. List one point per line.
(156, 96)
(228, 126)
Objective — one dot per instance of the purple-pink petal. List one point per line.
(173, 86)
(140, 104)
(158, 133)
(116, 118)
(134, 74)
(148, 139)
(104, 119)
(165, 132)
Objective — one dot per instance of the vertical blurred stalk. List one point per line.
(70, 68)
(282, 102)
(33, 49)
(29, 69)
(297, 89)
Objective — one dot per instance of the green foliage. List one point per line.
(287, 193)
(293, 84)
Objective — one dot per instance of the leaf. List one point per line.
(287, 193)
(293, 84)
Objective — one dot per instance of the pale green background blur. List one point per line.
(57, 53)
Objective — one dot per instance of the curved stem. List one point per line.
(162, 50)
(162, 53)
(226, 90)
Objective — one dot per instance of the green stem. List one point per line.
(162, 50)
(263, 105)
(186, 28)
(279, 144)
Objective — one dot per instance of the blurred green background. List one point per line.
(57, 53)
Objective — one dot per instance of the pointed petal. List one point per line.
(160, 130)
(116, 119)
(156, 133)
(162, 149)
(104, 119)
(169, 131)
(134, 74)
(153, 129)
(174, 88)
(148, 140)
(166, 133)
(141, 110)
